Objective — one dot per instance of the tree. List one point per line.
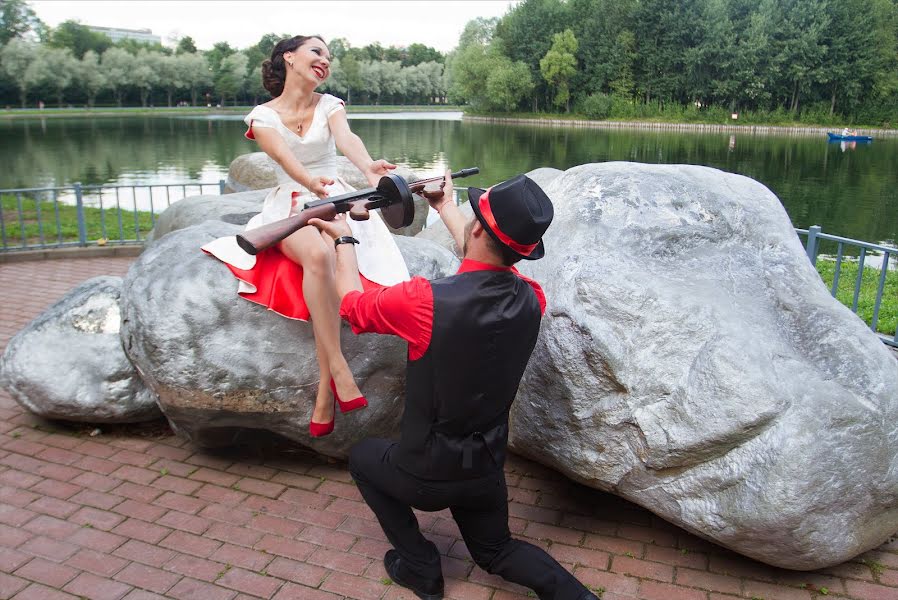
(800, 44)
(338, 47)
(559, 65)
(232, 76)
(336, 83)
(254, 85)
(350, 74)
(526, 33)
(375, 52)
(186, 45)
(262, 49)
(433, 71)
(52, 71)
(171, 75)
(90, 77)
(488, 80)
(419, 53)
(145, 73)
(709, 61)
(478, 31)
(850, 64)
(392, 80)
(15, 57)
(17, 19)
(507, 84)
(78, 38)
(216, 56)
(117, 65)
(196, 74)
(623, 84)
(472, 44)
(370, 76)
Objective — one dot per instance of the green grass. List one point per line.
(888, 310)
(67, 231)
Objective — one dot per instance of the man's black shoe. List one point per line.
(423, 588)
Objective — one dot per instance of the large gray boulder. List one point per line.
(692, 361)
(220, 364)
(252, 171)
(69, 364)
(236, 209)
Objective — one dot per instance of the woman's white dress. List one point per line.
(380, 261)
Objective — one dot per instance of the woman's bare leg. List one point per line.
(307, 248)
(324, 406)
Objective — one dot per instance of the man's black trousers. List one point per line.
(479, 506)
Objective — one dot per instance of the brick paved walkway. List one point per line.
(136, 513)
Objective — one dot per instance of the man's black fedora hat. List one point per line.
(516, 213)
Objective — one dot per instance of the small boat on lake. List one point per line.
(838, 137)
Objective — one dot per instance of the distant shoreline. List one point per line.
(537, 121)
(662, 126)
(31, 113)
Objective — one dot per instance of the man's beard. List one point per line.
(468, 227)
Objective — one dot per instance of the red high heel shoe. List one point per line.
(349, 405)
(323, 429)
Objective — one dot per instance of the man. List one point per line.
(470, 337)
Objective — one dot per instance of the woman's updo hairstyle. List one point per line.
(274, 70)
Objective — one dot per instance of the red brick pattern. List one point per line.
(136, 514)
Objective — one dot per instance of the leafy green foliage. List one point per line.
(596, 106)
(17, 19)
(823, 61)
(559, 65)
(78, 38)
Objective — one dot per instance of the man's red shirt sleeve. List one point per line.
(404, 309)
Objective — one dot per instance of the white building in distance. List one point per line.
(144, 36)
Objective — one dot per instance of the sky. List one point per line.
(435, 23)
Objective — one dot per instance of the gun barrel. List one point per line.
(392, 190)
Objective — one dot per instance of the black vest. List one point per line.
(458, 394)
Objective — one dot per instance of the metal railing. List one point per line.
(82, 215)
(815, 236)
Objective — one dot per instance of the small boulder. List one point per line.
(69, 364)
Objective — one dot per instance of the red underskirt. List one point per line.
(278, 282)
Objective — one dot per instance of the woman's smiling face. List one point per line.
(311, 60)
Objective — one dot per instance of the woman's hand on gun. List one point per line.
(336, 228)
(317, 184)
(376, 170)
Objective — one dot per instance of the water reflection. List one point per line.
(852, 193)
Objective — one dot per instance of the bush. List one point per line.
(596, 106)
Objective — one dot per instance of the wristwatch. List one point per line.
(345, 239)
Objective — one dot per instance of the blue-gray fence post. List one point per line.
(79, 208)
(221, 184)
(813, 243)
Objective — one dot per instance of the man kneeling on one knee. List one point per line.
(469, 339)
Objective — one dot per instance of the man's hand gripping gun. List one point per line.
(393, 196)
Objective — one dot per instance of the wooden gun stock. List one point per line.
(255, 240)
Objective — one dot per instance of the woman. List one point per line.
(301, 129)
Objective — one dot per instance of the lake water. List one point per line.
(850, 191)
